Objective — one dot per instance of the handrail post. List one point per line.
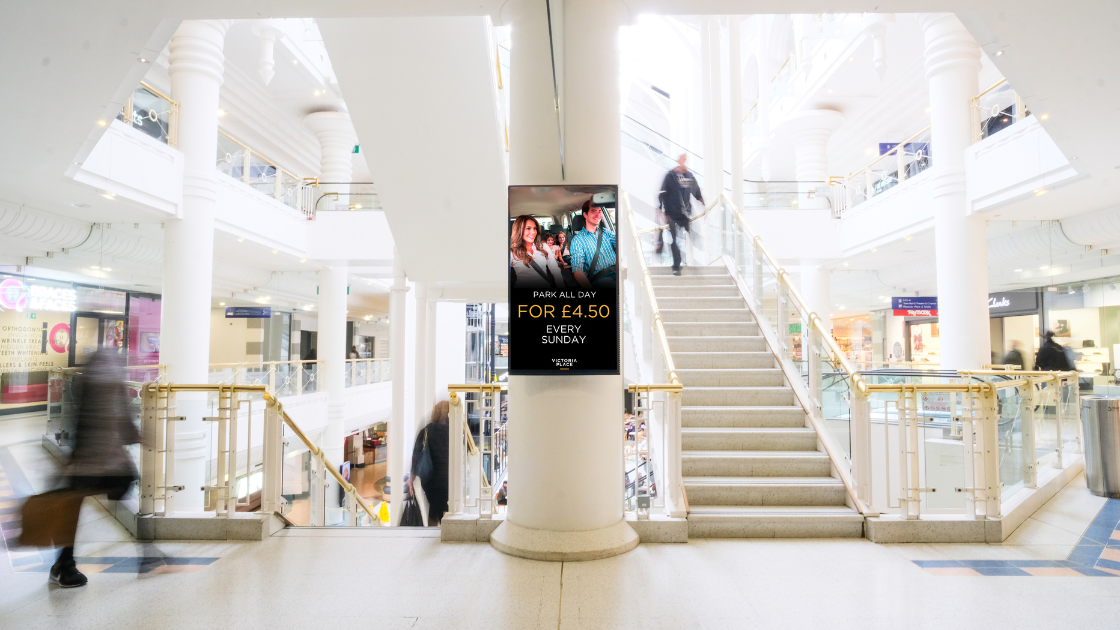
(673, 475)
(455, 503)
(812, 359)
(1029, 435)
(781, 325)
(899, 154)
(149, 455)
(299, 377)
(989, 432)
(861, 445)
(272, 459)
(1058, 419)
(757, 271)
(246, 164)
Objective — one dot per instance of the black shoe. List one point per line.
(67, 577)
(676, 272)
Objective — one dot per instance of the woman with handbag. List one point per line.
(429, 463)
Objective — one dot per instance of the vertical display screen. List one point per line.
(563, 280)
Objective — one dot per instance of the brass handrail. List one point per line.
(647, 281)
(258, 154)
(833, 180)
(996, 85)
(213, 365)
(795, 295)
(318, 452)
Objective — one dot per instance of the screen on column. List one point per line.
(563, 280)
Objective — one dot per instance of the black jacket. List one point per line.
(676, 189)
(1051, 358)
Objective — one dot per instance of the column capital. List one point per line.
(336, 142)
(949, 45)
(197, 47)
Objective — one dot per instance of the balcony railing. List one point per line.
(317, 196)
(995, 109)
(901, 162)
(237, 160)
(152, 113)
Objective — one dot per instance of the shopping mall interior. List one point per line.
(560, 314)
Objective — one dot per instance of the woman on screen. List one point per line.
(533, 264)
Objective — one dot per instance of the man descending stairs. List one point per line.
(750, 461)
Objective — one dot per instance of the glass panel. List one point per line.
(1012, 467)
(997, 110)
(230, 157)
(93, 300)
(143, 335)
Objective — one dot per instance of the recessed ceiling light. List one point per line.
(221, 112)
(275, 250)
(907, 237)
(108, 195)
(102, 123)
(295, 62)
(929, 109)
(1038, 192)
(303, 260)
(874, 249)
(94, 267)
(241, 240)
(851, 59)
(142, 60)
(1018, 270)
(845, 264)
(830, 90)
(106, 269)
(1045, 116)
(79, 205)
(1043, 268)
(999, 53)
(221, 303)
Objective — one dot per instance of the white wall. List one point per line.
(229, 336)
(132, 165)
(1014, 163)
(451, 346)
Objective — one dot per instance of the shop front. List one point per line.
(46, 324)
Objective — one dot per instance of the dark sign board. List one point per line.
(914, 306)
(563, 299)
(248, 312)
(1013, 303)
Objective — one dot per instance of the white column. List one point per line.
(396, 418)
(336, 146)
(735, 69)
(810, 132)
(711, 52)
(765, 74)
(421, 353)
(332, 372)
(565, 445)
(952, 66)
(195, 67)
(815, 290)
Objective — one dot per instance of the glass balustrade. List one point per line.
(995, 109)
(901, 162)
(152, 113)
(238, 161)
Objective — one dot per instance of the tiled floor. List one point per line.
(389, 579)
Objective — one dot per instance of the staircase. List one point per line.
(749, 459)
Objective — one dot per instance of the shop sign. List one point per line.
(15, 295)
(1012, 302)
(248, 312)
(914, 306)
(795, 329)
(564, 321)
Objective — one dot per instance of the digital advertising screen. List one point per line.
(563, 280)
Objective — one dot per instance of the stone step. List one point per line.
(739, 377)
(755, 464)
(777, 417)
(717, 344)
(709, 360)
(689, 270)
(736, 396)
(720, 303)
(720, 315)
(716, 290)
(689, 281)
(748, 439)
(774, 522)
(764, 491)
(711, 329)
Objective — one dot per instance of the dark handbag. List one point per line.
(425, 469)
(410, 513)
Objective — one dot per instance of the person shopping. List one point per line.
(430, 462)
(675, 200)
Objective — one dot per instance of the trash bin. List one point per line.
(1100, 423)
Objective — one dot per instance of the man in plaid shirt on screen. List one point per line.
(594, 258)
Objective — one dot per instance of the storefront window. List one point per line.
(925, 343)
(34, 337)
(853, 335)
(143, 331)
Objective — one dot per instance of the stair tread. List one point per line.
(799, 430)
(762, 481)
(756, 454)
(747, 511)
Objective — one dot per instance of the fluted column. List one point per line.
(952, 60)
(195, 67)
(336, 147)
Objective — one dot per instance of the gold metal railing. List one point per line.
(172, 113)
(318, 452)
(647, 282)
